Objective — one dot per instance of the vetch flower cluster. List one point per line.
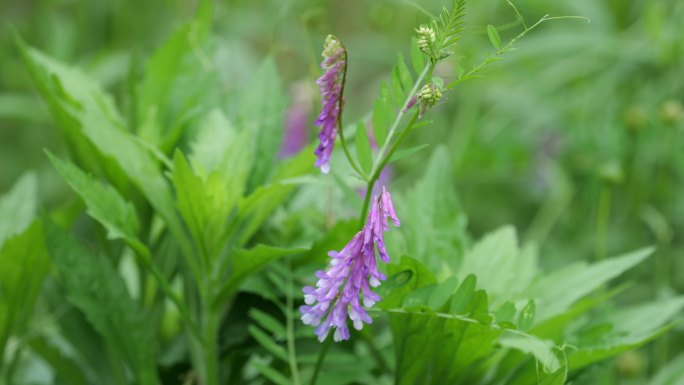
(353, 271)
(331, 84)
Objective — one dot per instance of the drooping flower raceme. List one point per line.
(344, 290)
(331, 85)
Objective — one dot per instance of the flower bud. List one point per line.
(430, 94)
(426, 36)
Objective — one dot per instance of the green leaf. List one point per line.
(380, 122)
(433, 224)
(67, 370)
(557, 291)
(407, 152)
(163, 96)
(542, 350)
(398, 91)
(627, 328)
(494, 37)
(23, 266)
(97, 290)
(242, 263)
(273, 375)
(18, 206)
(268, 322)
(417, 56)
(104, 203)
(404, 75)
(261, 113)
(267, 343)
(463, 295)
(363, 149)
(505, 313)
(670, 374)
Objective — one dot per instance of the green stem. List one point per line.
(319, 362)
(210, 343)
(291, 353)
(340, 127)
(146, 259)
(382, 162)
(428, 69)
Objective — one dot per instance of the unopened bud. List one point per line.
(426, 36)
(430, 94)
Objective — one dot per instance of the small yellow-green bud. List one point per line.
(331, 46)
(430, 94)
(426, 36)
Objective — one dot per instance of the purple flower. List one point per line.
(331, 85)
(344, 290)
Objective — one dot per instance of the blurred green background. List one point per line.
(575, 138)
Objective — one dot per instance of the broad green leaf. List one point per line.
(463, 295)
(494, 37)
(163, 96)
(363, 149)
(542, 350)
(18, 206)
(261, 113)
(505, 313)
(417, 57)
(627, 329)
(557, 291)
(96, 289)
(426, 344)
(104, 203)
(501, 267)
(242, 263)
(91, 113)
(433, 225)
(23, 266)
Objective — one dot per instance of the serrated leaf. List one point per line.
(104, 203)
(98, 291)
(494, 37)
(363, 149)
(267, 343)
(268, 322)
(407, 152)
(18, 206)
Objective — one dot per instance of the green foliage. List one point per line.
(96, 289)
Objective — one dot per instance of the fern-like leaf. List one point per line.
(450, 24)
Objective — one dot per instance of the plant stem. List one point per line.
(291, 353)
(382, 162)
(319, 362)
(210, 326)
(340, 127)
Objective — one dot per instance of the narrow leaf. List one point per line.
(494, 37)
(363, 149)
